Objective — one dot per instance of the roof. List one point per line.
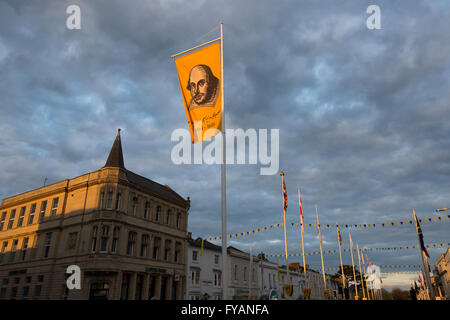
(151, 185)
(115, 158)
(206, 244)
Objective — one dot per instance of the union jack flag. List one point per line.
(339, 235)
(301, 209)
(285, 201)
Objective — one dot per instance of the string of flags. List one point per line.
(390, 266)
(434, 245)
(324, 225)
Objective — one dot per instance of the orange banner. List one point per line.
(200, 82)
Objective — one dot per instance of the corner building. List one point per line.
(128, 235)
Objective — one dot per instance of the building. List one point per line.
(203, 270)
(127, 234)
(249, 277)
(442, 276)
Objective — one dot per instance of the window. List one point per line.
(25, 292)
(47, 243)
(117, 201)
(14, 293)
(104, 239)
(134, 206)
(245, 273)
(32, 212)
(158, 213)
(235, 272)
(217, 278)
(37, 291)
(13, 250)
(2, 293)
(54, 206)
(178, 220)
(43, 208)
(5, 281)
(102, 199)
(131, 243)
(11, 219)
(2, 254)
(195, 277)
(167, 250)
(72, 240)
(146, 209)
(21, 216)
(144, 245)
(2, 221)
(94, 239)
(253, 275)
(109, 200)
(40, 278)
(24, 248)
(194, 255)
(169, 213)
(156, 246)
(216, 259)
(177, 252)
(115, 239)
(99, 291)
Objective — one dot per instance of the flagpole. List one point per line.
(364, 277)
(223, 176)
(360, 271)
(284, 224)
(321, 253)
(302, 230)
(340, 257)
(250, 274)
(424, 262)
(353, 264)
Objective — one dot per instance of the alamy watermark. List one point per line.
(235, 140)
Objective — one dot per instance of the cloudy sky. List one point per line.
(363, 114)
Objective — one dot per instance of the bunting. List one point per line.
(324, 225)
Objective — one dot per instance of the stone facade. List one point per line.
(125, 232)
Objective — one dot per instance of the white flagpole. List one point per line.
(364, 277)
(342, 266)
(284, 224)
(302, 230)
(321, 253)
(360, 271)
(353, 264)
(250, 274)
(425, 263)
(224, 190)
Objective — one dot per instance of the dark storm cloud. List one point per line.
(362, 113)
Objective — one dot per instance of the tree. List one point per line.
(399, 294)
(386, 294)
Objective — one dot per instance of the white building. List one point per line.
(249, 277)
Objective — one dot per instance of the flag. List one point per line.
(339, 235)
(285, 201)
(199, 75)
(301, 209)
(419, 232)
(350, 240)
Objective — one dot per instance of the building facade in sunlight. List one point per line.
(126, 233)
